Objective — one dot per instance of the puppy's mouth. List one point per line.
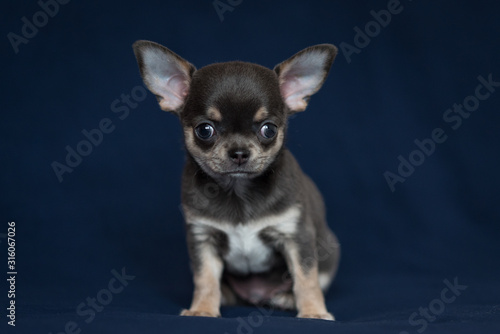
(217, 169)
(240, 174)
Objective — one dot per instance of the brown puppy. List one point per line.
(256, 226)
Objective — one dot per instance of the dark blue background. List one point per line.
(119, 208)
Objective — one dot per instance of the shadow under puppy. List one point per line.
(256, 228)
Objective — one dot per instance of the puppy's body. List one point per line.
(256, 227)
(250, 231)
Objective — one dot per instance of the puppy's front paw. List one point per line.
(324, 316)
(199, 313)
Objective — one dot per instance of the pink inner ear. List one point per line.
(295, 89)
(288, 86)
(300, 78)
(178, 85)
(172, 91)
(168, 78)
(290, 90)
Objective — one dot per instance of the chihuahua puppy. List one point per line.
(255, 223)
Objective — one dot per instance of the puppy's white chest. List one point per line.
(247, 253)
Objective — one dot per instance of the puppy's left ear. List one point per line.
(303, 74)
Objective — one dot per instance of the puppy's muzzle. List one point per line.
(239, 156)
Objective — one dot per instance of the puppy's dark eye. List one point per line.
(204, 131)
(268, 130)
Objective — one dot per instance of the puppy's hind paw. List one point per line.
(196, 313)
(324, 316)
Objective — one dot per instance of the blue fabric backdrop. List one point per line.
(403, 141)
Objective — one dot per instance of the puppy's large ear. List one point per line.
(166, 74)
(303, 74)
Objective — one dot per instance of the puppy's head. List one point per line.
(234, 114)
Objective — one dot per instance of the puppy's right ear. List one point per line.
(166, 74)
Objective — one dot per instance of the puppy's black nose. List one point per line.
(239, 156)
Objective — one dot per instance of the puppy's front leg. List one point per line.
(303, 266)
(207, 270)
